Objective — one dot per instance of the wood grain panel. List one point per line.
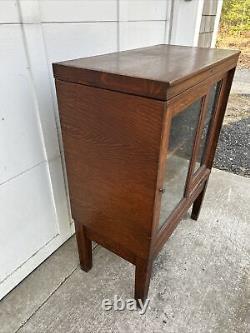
(116, 142)
(111, 143)
(160, 71)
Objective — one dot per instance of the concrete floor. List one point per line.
(200, 283)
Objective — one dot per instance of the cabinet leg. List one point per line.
(84, 247)
(198, 203)
(143, 270)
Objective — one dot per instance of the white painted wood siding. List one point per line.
(186, 21)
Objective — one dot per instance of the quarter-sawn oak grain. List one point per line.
(116, 112)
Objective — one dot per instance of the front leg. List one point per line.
(143, 269)
(84, 247)
(198, 203)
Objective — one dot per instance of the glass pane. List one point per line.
(212, 99)
(182, 133)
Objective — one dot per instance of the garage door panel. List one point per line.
(20, 137)
(26, 203)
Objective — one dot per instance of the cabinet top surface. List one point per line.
(152, 68)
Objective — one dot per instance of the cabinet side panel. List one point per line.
(111, 145)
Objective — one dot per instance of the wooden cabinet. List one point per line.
(140, 129)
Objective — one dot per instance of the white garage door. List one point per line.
(34, 212)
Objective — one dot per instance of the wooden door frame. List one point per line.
(196, 183)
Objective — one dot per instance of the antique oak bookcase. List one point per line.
(140, 130)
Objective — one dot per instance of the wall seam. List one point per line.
(168, 21)
(58, 131)
(118, 25)
(80, 22)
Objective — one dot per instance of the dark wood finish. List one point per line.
(218, 118)
(198, 202)
(116, 112)
(188, 186)
(143, 269)
(111, 145)
(214, 136)
(84, 245)
(161, 165)
(160, 72)
(173, 220)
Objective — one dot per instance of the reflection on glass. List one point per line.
(182, 133)
(212, 99)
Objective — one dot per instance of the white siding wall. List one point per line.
(186, 22)
(210, 22)
(34, 213)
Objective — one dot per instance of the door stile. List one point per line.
(218, 119)
(189, 181)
